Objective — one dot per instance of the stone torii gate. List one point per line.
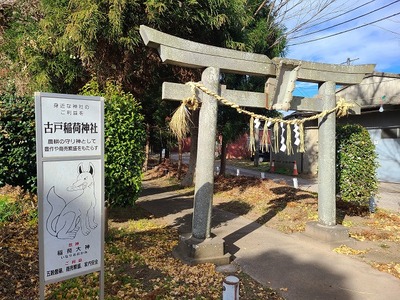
(199, 245)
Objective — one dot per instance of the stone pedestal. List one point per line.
(194, 251)
(331, 234)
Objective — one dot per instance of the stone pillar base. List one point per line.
(330, 234)
(193, 251)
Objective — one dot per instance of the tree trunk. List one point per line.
(188, 180)
(167, 152)
(180, 148)
(223, 158)
(147, 149)
(161, 158)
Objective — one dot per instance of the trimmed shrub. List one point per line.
(356, 164)
(124, 143)
(17, 142)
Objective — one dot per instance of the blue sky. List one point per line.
(377, 43)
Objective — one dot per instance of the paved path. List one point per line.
(295, 265)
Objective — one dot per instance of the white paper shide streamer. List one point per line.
(283, 142)
(296, 135)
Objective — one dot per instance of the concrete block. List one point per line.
(330, 234)
(194, 251)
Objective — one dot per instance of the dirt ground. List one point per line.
(375, 237)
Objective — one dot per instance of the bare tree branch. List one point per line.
(301, 13)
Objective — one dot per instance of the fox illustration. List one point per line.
(66, 218)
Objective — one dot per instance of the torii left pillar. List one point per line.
(200, 246)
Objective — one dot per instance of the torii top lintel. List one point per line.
(181, 52)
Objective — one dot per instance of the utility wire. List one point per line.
(344, 31)
(337, 16)
(391, 31)
(344, 22)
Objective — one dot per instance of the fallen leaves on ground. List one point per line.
(343, 249)
(279, 206)
(19, 264)
(391, 268)
(138, 265)
(267, 202)
(287, 209)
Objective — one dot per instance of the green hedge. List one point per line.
(356, 164)
(125, 138)
(124, 143)
(17, 142)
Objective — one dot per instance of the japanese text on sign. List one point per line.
(73, 258)
(70, 128)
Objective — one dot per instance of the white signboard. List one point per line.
(70, 159)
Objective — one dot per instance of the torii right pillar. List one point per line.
(326, 228)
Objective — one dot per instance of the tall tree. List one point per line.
(58, 45)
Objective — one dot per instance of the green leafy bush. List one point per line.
(356, 164)
(17, 142)
(124, 143)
